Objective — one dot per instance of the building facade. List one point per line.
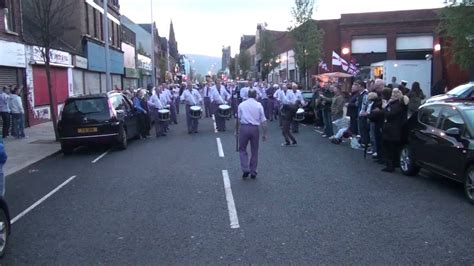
(225, 58)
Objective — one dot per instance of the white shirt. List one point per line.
(191, 97)
(219, 97)
(16, 106)
(276, 94)
(287, 97)
(206, 91)
(263, 93)
(299, 97)
(155, 102)
(244, 93)
(251, 112)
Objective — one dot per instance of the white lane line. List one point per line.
(219, 147)
(234, 220)
(320, 132)
(215, 126)
(23, 213)
(100, 157)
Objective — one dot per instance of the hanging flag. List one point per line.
(323, 65)
(336, 59)
(344, 64)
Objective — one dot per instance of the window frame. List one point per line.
(421, 111)
(443, 118)
(9, 17)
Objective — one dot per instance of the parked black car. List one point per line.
(5, 227)
(97, 119)
(440, 138)
(308, 108)
(460, 92)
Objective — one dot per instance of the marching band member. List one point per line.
(206, 94)
(155, 104)
(299, 101)
(288, 110)
(234, 98)
(271, 101)
(251, 116)
(264, 98)
(172, 103)
(176, 90)
(191, 97)
(219, 96)
(245, 91)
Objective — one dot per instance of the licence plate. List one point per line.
(87, 130)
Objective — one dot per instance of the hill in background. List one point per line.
(204, 63)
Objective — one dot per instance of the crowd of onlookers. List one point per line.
(375, 114)
(12, 112)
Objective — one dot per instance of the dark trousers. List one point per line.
(390, 152)
(18, 125)
(207, 107)
(295, 126)
(248, 133)
(285, 130)
(142, 124)
(271, 109)
(173, 113)
(354, 125)
(264, 103)
(160, 126)
(191, 123)
(176, 102)
(364, 130)
(6, 123)
(220, 121)
(327, 120)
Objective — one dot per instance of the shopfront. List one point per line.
(95, 79)
(37, 83)
(144, 71)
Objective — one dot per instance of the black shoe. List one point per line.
(294, 143)
(195, 132)
(245, 175)
(253, 176)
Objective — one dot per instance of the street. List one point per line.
(163, 201)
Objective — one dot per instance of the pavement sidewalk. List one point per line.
(25, 152)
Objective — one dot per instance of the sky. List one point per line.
(205, 26)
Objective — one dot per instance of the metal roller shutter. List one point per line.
(7, 76)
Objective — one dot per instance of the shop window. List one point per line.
(8, 18)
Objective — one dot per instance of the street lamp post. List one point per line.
(108, 82)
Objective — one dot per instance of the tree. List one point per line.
(244, 63)
(266, 49)
(45, 23)
(307, 36)
(457, 26)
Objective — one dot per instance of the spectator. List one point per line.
(362, 105)
(5, 111)
(326, 101)
(416, 96)
(352, 111)
(139, 102)
(17, 114)
(337, 105)
(375, 116)
(3, 160)
(392, 129)
(394, 83)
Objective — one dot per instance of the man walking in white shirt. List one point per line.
(219, 96)
(191, 97)
(251, 116)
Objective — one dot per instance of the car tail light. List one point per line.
(113, 113)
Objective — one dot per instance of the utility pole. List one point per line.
(108, 83)
(152, 26)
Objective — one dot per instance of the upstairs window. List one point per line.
(8, 19)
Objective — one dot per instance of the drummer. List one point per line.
(235, 98)
(191, 97)
(299, 101)
(219, 96)
(155, 104)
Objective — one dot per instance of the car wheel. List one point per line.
(4, 232)
(469, 184)
(123, 141)
(407, 162)
(67, 149)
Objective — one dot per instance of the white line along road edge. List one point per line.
(23, 213)
(219, 147)
(100, 157)
(234, 220)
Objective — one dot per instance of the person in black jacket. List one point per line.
(392, 129)
(376, 118)
(352, 108)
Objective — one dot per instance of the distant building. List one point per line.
(225, 58)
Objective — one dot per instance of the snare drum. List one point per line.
(195, 112)
(224, 111)
(167, 107)
(299, 115)
(163, 115)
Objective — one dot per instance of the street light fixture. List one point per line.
(345, 50)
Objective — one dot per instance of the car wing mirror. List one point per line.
(120, 113)
(454, 132)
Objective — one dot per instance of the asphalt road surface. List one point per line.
(165, 201)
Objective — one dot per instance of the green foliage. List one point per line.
(266, 49)
(306, 34)
(457, 23)
(244, 62)
(141, 50)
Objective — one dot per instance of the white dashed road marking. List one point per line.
(214, 121)
(234, 220)
(100, 157)
(219, 147)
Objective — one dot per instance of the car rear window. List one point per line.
(86, 106)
